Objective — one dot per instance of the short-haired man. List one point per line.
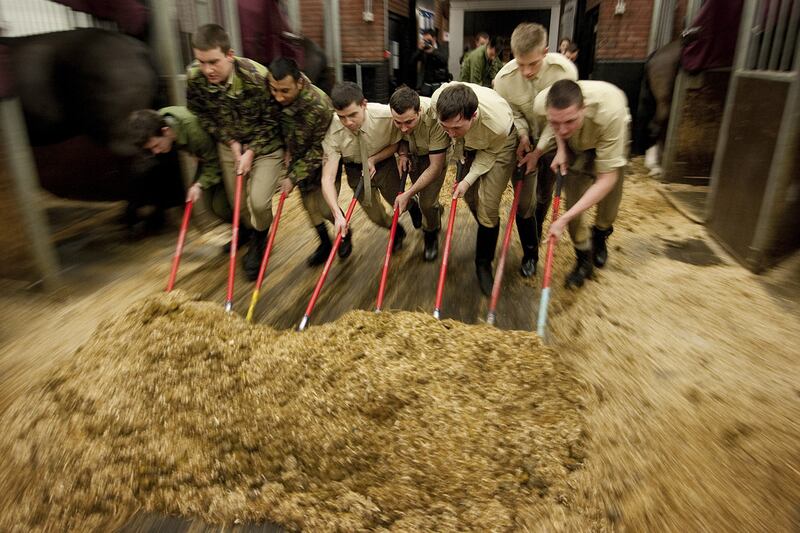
(230, 97)
(305, 117)
(175, 127)
(424, 155)
(364, 137)
(481, 65)
(481, 39)
(589, 122)
(532, 70)
(482, 123)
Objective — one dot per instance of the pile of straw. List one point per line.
(392, 421)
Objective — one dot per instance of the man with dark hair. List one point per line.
(429, 64)
(305, 117)
(481, 39)
(160, 131)
(481, 65)
(482, 123)
(424, 154)
(519, 81)
(588, 121)
(362, 136)
(229, 95)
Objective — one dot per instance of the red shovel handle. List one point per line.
(445, 255)
(270, 241)
(329, 262)
(548, 265)
(237, 204)
(388, 257)
(176, 260)
(501, 263)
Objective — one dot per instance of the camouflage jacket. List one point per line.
(191, 137)
(304, 124)
(240, 110)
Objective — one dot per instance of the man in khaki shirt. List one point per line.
(482, 123)
(589, 122)
(424, 155)
(520, 80)
(364, 137)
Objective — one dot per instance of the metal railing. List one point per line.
(775, 35)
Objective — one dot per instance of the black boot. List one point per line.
(599, 237)
(431, 245)
(582, 271)
(484, 255)
(244, 238)
(322, 252)
(415, 213)
(252, 259)
(346, 246)
(399, 236)
(541, 214)
(526, 227)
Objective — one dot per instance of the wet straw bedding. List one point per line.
(389, 421)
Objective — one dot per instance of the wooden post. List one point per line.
(24, 234)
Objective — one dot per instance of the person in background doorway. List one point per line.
(563, 45)
(429, 64)
(482, 64)
(572, 52)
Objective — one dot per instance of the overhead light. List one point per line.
(620, 8)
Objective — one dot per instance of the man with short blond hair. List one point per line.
(230, 97)
(532, 70)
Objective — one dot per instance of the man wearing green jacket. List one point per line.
(176, 127)
(482, 64)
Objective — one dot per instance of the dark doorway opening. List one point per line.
(401, 31)
(586, 38)
(500, 23)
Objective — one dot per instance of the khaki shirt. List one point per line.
(604, 129)
(378, 131)
(428, 137)
(489, 132)
(520, 91)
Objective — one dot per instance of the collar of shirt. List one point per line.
(301, 102)
(367, 122)
(181, 136)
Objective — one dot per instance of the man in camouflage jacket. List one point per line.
(305, 116)
(230, 97)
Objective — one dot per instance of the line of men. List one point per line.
(280, 131)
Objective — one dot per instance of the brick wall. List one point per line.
(624, 37)
(361, 41)
(399, 7)
(312, 21)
